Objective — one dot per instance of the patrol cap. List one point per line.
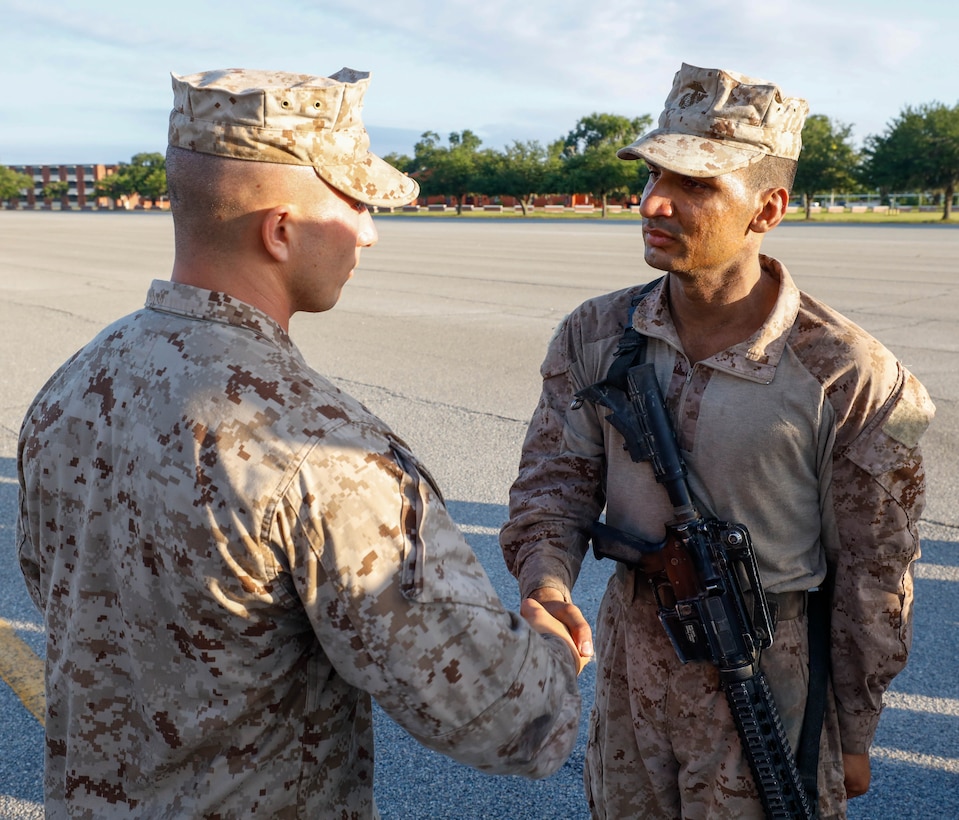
(291, 119)
(717, 121)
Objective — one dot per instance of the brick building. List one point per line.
(80, 178)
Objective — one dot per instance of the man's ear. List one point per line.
(774, 202)
(276, 231)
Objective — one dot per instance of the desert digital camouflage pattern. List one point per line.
(808, 434)
(680, 714)
(717, 121)
(291, 119)
(231, 557)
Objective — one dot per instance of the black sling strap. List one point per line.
(807, 753)
(630, 352)
(632, 345)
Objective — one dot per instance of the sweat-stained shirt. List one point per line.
(807, 433)
(231, 556)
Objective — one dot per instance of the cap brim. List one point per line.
(372, 182)
(691, 155)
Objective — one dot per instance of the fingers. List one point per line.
(579, 630)
(569, 615)
(544, 621)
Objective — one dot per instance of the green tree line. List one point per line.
(144, 175)
(14, 185)
(918, 151)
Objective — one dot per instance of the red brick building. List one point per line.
(80, 178)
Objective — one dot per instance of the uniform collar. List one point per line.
(758, 356)
(214, 306)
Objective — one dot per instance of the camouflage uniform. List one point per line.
(807, 433)
(231, 557)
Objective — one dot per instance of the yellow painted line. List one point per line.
(22, 671)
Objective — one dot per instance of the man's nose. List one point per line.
(367, 236)
(655, 201)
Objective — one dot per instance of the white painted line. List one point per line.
(24, 626)
(476, 529)
(921, 703)
(942, 764)
(936, 572)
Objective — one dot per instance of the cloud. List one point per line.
(526, 70)
(620, 50)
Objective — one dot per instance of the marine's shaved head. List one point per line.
(214, 200)
(276, 236)
(771, 172)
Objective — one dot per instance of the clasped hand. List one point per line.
(547, 613)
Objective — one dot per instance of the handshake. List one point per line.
(549, 614)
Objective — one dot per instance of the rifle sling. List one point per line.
(807, 753)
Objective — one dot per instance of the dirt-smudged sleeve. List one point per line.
(404, 611)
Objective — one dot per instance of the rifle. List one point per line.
(707, 587)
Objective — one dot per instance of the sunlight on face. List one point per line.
(697, 224)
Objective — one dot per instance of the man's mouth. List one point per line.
(656, 237)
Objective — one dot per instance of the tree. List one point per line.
(55, 189)
(149, 173)
(920, 148)
(114, 186)
(522, 170)
(424, 159)
(12, 184)
(589, 155)
(888, 161)
(461, 169)
(401, 162)
(451, 170)
(145, 175)
(828, 160)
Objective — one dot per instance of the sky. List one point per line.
(89, 82)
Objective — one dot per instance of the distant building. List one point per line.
(80, 177)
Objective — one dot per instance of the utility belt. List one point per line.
(783, 606)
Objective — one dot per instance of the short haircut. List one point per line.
(771, 172)
(203, 196)
(187, 173)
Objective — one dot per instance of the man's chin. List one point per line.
(655, 258)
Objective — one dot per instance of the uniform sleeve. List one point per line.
(404, 611)
(558, 492)
(878, 494)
